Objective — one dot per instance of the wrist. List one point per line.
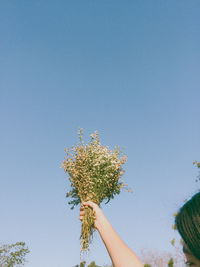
(101, 222)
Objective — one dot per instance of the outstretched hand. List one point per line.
(96, 209)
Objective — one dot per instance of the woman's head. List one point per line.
(188, 225)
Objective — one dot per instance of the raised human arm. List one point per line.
(120, 254)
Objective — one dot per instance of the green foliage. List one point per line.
(197, 164)
(173, 242)
(82, 264)
(94, 172)
(93, 264)
(171, 263)
(147, 265)
(13, 255)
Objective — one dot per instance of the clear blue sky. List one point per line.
(129, 69)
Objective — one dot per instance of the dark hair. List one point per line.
(188, 224)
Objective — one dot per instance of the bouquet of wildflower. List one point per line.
(94, 172)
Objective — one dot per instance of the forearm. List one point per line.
(121, 255)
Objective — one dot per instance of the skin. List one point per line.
(191, 260)
(120, 254)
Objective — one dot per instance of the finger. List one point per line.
(80, 218)
(82, 212)
(90, 204)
